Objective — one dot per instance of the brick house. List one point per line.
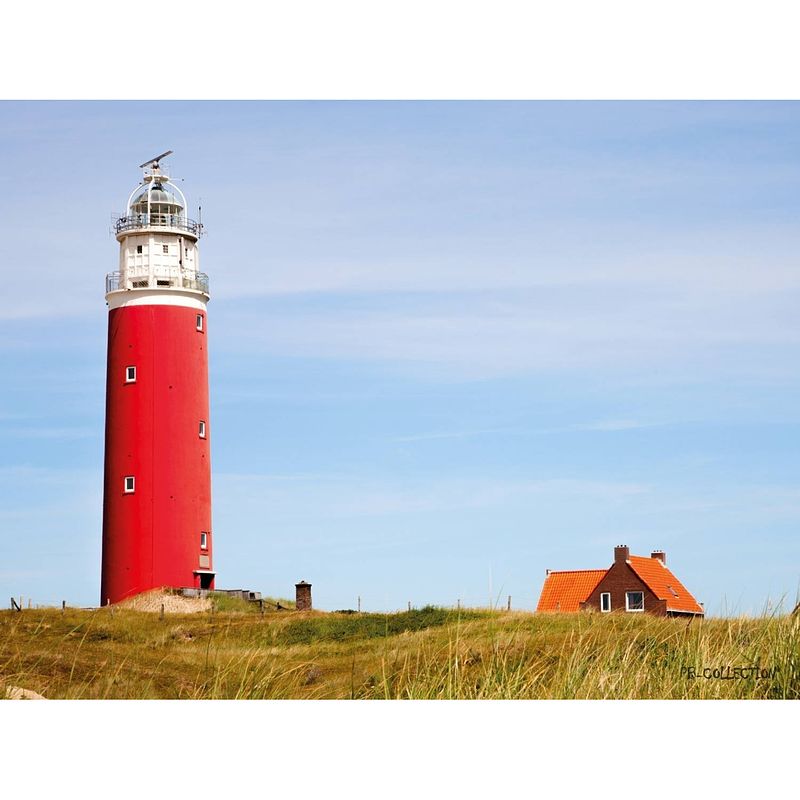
(632, 584)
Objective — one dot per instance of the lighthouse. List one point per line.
(157, 528)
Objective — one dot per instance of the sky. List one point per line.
(452, 344)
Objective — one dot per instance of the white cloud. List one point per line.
(600, 426)
(483, 335)
(355, 496)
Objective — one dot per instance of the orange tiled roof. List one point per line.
(565, 591)
(664, 585)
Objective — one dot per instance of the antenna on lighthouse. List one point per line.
(153, 162)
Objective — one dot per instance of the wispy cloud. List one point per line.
(610, 426)
(466, 434)
(357, 496)
(484, 335)
(28, 432)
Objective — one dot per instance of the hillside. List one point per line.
(427, 653)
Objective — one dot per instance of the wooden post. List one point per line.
(359, 604)
(458, 604)
(162, 611)
(261, 607)
(15, 606)
(509, 602)
(409, 605)
(63, 606)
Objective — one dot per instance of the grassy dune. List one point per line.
(428, 653)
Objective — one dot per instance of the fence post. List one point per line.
(162, 611)
(359, 604)
(458, 604)
(409, 605)
(509, 602)
(63, 606)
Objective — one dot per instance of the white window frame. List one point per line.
(204, 540)
(602, 595)
(201, 432)
(627, 602)
(128, 377)
(132, 488)
(199, 322)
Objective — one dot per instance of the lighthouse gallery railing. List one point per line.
(158, 221)
(197, 281)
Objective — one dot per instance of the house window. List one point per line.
(204, 540)
(605, 601)
(634, 601)
(129, 484)
(138, 248)
(199, 322)
(202, 430)
(165, 248)
(130, 374)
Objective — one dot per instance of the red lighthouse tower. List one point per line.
(157, 488)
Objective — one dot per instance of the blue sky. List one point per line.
(451, 344)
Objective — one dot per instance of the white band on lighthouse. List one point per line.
(156, 297)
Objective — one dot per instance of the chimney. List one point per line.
(302, 596)
(621, 553)
(660, 555)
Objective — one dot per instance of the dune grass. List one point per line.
(430, 653)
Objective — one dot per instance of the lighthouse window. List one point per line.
(129, 484)
(165, 248)
(130, 374)
(138, 248)
(200, 322)
(202, 430)
(204, 540)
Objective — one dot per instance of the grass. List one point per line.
(429, 653)
(225, 603)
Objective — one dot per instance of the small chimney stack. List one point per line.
(621, 553)
(302, 596)
(659, 555)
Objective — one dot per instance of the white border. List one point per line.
(417, 49)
